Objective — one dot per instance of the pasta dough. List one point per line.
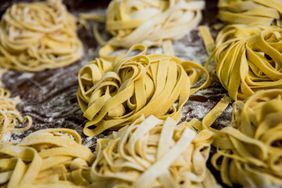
(154, 153)
(38, 36)
(151, 22)
(249, 152)
(251, 12)
(46, 158)
(114, 93)
(10, 118)
(249, 59)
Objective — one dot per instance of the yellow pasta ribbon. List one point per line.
(251, 12)
(207, 39)
(37, 36)
(154, 153)
(10, 117)
(151, 22)
(249, 152)
(249, 59)
(46, 158)
(114, 93)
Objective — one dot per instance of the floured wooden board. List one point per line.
(49, 97)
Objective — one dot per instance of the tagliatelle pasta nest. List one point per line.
(151, 22)
(10, 117)
(249, 59)
(249, 153)
(114, 93)
(37, 36)
(154, 153)
(251, 12)
(46, 158)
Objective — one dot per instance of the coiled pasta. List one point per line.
(151, 22)
(46, 158)
(249, 59)
(114, 93)
(154, 153)
(10, 117)
(249, 152)
(37, 36)
(251, 12)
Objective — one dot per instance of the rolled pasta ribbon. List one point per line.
(249, 59)
(46, 158)
(37, 36)
(249, 152)
(251, 12)
(154, 153)
(151, 22)
(10, 117)
(114, 93)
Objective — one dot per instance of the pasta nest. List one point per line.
(114, 93)
(38, 36)
(251, 12)
(10, 117)
(249, 153)
(151, 22)
(154, 153)
(249, 59)
(46, 158)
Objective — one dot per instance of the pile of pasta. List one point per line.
(249, 152)
(151, 22)
(251, 12)
(249, 59)
(114, 93)
(46, 158)
(10, 117)
(37, 36)
(154, 153)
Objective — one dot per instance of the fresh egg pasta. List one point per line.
(111, 94)
(10, 118)
(249, 152)
(46, 158)
(37, 36)
(251, 12)
(154, 153)
(151, 22)
(249, 59)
